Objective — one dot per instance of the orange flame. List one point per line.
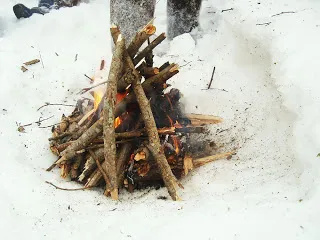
(176, 144)
(120, 96)
(117, 122)
(97, 95)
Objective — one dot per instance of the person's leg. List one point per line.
(182, 16)
(131, 15)
(22, 11)
(46, 3)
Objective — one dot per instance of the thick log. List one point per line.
(148, 72)
(109, 165)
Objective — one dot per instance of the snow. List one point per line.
(270, 101)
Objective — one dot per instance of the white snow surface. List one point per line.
(270, 107)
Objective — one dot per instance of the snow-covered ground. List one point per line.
(269, 190)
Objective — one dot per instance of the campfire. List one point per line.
(135, 133)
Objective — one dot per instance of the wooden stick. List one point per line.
(90, 164)
(149, 48)
(140, 38)
(214, 69)
(84, 140)
(161, 131)
(154, 140)
(122, 158)
(122, 83)
(67, 189)
(202, 161)
(148, 86)
(109, 165)
(101, 170)
(148, 72)
(34, 61)
(200, 119)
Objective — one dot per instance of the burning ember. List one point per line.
(136, 136)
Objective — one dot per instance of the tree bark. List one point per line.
(109, 165)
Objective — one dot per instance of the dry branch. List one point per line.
(154, 140)
(109, 165)
(140, 38)
(149, 48)
(202, 161)
(34, 61)
(84, 140)
(200, 119)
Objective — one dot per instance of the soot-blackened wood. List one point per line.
(151, 85)
(110, 151)
(146, 173)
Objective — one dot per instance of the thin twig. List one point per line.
(66, 134)
(84, 90)
(41, 59)
(213, 71)
(50, 125)
(225, 10)
(42, 120)
(91, 80)
(68, 189)
(37, 122)
(264, 24)
(220, 89)
(54, 104)
(76, 57)
(185, 64)
(282, 13)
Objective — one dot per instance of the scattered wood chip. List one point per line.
(24, 69)
(34, 61)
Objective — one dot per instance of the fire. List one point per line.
(176, 144)
(97, 95)
(117, 122)
(120, 96)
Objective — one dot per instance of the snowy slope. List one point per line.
(270, 190)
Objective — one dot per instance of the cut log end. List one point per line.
(149, 29)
